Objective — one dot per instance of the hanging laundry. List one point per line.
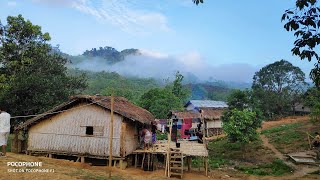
(187, 124)
(179, 124)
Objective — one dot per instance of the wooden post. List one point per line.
(82, 159)
(111, 133)
(142, 164)
(310, 147)
(122, 139)
(166, 159)
(136, 161)
(121, 164)
(169, 142)
(148, 161)
(207, 129)
(189, 159)
(203, 124)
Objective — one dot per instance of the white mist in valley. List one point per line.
(149, 64)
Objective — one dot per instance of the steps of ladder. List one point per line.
(172, 152)
(176, 162)
(176, 156)
(177, 168)
(176, 174)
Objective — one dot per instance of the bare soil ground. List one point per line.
(287, 120)
(65, 169)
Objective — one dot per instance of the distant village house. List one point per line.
(208, 111)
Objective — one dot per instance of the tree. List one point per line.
(197, 1)
(178, 90)
(311, 97)
(242, 101)
(278, 87)
(238, 100)
(241, 126)
(312, 100)
(32, 77)
(160, 101)
(304, 21)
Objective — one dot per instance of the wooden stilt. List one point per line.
(154, 164)
(136, 161)
(121, 164)
(189, 159)
(50, 155)
(166, 162)
(82, 159)
(148, 161)
(144, 156)
(78, 159)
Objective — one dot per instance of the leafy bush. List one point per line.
(241, 125)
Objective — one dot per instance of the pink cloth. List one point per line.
(187, 124)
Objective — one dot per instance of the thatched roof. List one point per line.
(121, 106)
(207, 113)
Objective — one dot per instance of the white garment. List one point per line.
(4, 122)
(159, 127)
(4, 138)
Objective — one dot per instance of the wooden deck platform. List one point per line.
(187, 148)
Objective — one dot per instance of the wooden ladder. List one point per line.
(176, 163)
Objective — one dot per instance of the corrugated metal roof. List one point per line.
(209, 103)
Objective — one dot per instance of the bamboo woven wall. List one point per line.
(66, 132)
(131, 140)
(214, 123)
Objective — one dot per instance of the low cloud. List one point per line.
(157, 65)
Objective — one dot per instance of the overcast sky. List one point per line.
(235, 38)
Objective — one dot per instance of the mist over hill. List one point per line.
(150, 64)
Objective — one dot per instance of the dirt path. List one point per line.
(300, 170)
(266, 143)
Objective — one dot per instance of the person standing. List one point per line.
(147, 138)
(4, 130)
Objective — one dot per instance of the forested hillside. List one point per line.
(107, 83)
(108, 54)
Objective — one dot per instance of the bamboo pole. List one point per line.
(309, 140)
(111, 133)
(167, 169)
(169, 142)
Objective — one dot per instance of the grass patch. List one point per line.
(197, 162)
(276, 168)
(281, 128)
(288, 138)
(223, 153)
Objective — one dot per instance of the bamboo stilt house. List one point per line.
(81, 127)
